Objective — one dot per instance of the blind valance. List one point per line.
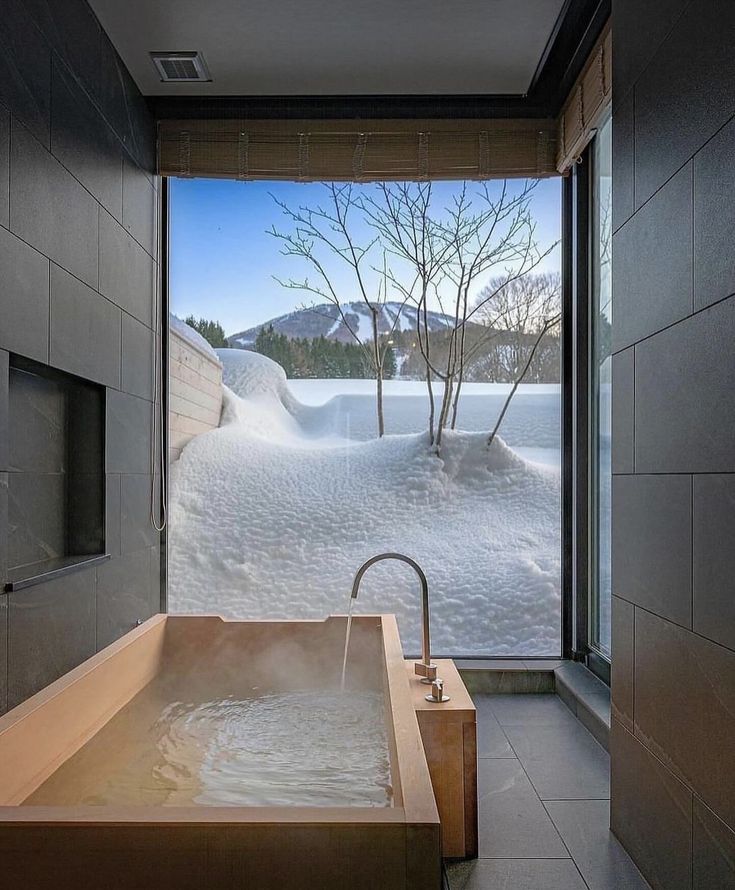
(357, 150)
(586, 103)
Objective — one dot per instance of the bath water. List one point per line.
(279, 749)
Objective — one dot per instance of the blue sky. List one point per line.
(223, 261)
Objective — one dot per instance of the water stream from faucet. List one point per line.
(347, 643)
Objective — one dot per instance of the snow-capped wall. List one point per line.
(195, 386)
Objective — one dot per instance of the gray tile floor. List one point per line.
(544, 789)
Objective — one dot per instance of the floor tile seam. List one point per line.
(619, 846)
(579, 753)
(520, 761)
(566, 846)
(496, 757)
(523, 858)
(548, 815)
(571, 799)
(572, 715)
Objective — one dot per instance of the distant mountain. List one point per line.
(324, 320)
(493, 355)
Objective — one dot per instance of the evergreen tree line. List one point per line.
(497, 360)
(492, 356)
(305, 357)
(212, 331)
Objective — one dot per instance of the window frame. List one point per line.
(595, 403)
(578, 561)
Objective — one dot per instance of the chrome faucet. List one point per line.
(424, 668)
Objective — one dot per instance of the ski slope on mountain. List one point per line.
(325, 319)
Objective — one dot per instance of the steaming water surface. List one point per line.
(278, 749)
(307, 749)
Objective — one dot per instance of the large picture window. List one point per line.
(390, 354)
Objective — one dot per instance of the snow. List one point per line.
(335, 327)
(283, 512)
(364, 329)
(533, 419)
(194, 337)
(399, 315)
(315, 391)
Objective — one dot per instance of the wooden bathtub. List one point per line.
(60, 846)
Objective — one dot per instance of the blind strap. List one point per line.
(243, 156)
(483, 160)
(184, 153)
(303, 162)
(423, 159)
(542, 147)
(358, 158)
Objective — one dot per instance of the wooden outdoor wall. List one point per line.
(195, 392)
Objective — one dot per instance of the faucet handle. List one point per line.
(427, 671)
(437, 691)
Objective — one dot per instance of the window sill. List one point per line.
(20, 579)
(587, 697)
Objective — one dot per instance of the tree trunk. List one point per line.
(432, 408)
(431, 405)
(444, 412)
(448, 385)
(455, 407)
(378, 374)
(460, 377)
(548, 324)
(381, 421)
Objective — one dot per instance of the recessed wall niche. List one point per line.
(56, 490)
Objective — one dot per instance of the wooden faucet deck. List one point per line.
(449, 734)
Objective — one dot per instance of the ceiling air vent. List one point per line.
(180, 67)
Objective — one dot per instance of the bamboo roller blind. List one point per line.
(587, 101)
(357, 150)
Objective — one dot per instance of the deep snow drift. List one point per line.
(271, 515)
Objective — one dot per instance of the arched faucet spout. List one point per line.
(424, 668)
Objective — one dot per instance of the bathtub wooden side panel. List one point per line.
(43, 732)
(423, 856)
(288, 856)
(423, 829)
(415, 782)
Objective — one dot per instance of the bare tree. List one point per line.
(449, 254)
(323, 232)
(499, 237)
(400, 214)
(488, 233)
(512, 313)
(547, 325)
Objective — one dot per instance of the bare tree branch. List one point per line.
(332, 229)
(548, 324)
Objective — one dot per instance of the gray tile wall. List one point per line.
(78, 265)
(673, 675)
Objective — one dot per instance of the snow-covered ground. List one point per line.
(272, 514)
(531, 426)
(319, 391)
